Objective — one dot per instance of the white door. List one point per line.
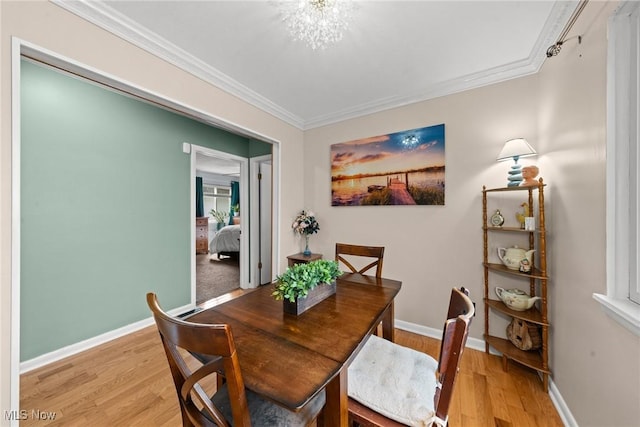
(265, 232)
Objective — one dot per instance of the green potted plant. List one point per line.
(220, 217)
(302, 286)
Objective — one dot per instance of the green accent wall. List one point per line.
(259, 148)
(105, 207)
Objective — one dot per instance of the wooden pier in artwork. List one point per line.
(399, 193)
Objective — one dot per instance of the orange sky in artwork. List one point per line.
(397, 152)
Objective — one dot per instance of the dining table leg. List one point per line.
(388, 327)
(336, 411)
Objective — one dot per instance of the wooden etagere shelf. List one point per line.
(532, 315)
(535, 272)
(510, 229)
(537, 278)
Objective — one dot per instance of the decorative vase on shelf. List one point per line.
(306, 252)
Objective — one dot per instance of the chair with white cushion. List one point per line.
(392, 385)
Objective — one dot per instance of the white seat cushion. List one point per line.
(395, 381)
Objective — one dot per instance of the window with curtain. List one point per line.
(216, 197)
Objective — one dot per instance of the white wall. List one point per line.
(561, 111)
(54, 29)
(596, 361)
(429, 248)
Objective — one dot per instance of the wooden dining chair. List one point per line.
(231, 404)
(345, 254)
(392, 385)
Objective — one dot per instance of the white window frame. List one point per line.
(215, 195)
(623, 161)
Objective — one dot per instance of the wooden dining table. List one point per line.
(289, 359)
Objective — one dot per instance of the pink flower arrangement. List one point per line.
(305, 223)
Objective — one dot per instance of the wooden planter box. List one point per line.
(314, 296)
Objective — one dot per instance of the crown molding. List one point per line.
(110, 20)
(461, 84)
(560, 14)
(120, 25)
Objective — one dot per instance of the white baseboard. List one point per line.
(478, 344)
(474, 343)
(563, 410)
(70, 350)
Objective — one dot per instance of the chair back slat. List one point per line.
(215, 343)
(458, 304)
(344, 250)
(454, 337)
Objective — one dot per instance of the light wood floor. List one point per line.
(127, 382)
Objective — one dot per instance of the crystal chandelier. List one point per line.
(317, 22)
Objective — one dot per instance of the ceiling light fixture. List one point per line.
(318, 23)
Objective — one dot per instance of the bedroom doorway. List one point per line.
(223, 266)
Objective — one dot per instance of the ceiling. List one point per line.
(217, 165)
(394, 53)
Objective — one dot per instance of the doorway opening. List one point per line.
(218, 262)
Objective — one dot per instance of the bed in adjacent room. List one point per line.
(226, 241)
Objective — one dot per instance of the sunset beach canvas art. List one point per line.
(402, 168)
